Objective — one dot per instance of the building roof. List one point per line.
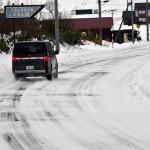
(141, 6)
(124, 27)
(88, 16)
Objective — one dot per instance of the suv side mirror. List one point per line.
(56, 52)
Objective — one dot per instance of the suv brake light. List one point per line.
(45, 59)
(13, 60)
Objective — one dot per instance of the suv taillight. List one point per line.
(45, 59)
(13, 60)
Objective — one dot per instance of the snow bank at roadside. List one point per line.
(5, 70)
(5, 62)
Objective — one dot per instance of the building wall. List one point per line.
(88, 23)
(123, 36)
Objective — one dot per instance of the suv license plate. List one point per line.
(29, 67)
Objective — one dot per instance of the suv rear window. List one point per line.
(29, 49)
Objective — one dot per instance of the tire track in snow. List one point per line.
(123, 54)
(73, 94)
(125, 139)
(13, 142)
(21, 136)
(92, 114)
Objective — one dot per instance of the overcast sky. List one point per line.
(71, 4)
(77, 4)
(66, 4)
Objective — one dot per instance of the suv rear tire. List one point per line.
(56, 73)
(49, 76)
(16, 76)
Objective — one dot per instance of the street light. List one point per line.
(100, 19)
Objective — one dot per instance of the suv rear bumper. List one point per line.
(30, 73)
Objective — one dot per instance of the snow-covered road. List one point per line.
(99, 102)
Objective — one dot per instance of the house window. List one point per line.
(136, 13)
(142, 19)
(141, 12)
(84, 11)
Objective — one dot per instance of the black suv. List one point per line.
(34, 59)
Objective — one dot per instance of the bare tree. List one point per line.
(8, 2)
(50, 6)
(1, 6)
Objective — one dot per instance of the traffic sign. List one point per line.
(22, 11)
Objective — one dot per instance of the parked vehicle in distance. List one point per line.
(36, 58)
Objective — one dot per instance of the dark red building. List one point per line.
(91, 25)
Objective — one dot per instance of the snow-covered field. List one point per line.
(101, 101)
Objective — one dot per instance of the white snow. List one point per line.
(99, 101)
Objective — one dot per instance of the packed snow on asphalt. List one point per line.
(101, 101)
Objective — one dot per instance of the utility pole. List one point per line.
(132, 21)
(112, 12)
(22, 22)
(147, 20)
(22, 26)
(56, 26)
(100, 22)
(117, 36)
(14, 31)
